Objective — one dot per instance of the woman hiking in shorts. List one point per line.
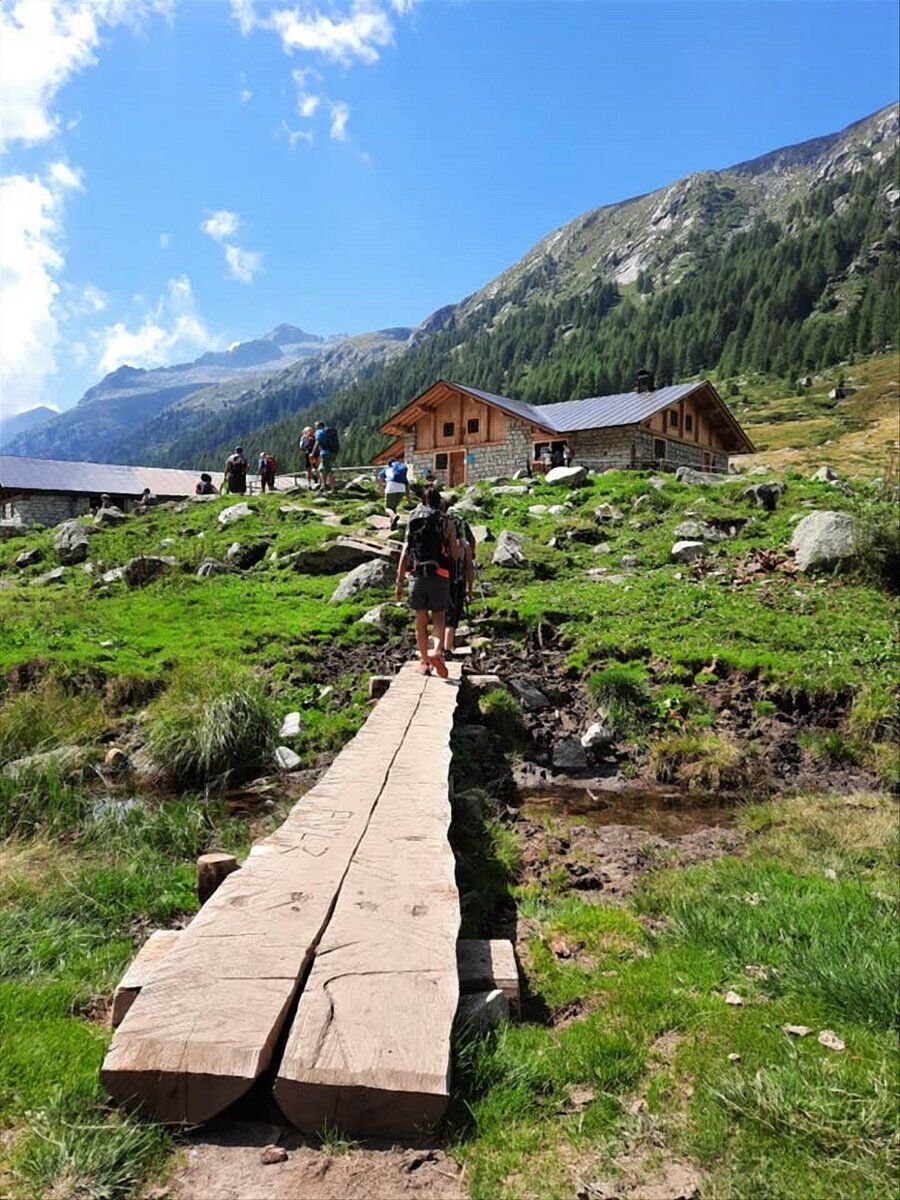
(429, 552)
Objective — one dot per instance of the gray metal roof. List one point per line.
(624, 408)
(528, 412)
(19, 474)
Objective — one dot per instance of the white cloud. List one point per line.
(303, 76)
(32, 259)
(243, 264)
(171, 331)
(221, 224)
(92, 299)
(340, 115)
(245, 95)
(307, 105)
(357, 35)
(164, 241)
(45, 43)
(296, 136)
(242, 12)
(403, 7)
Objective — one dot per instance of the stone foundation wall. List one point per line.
(487, 461)
(45, 508)
(628, 445)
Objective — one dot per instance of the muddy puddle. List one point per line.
(667, 813)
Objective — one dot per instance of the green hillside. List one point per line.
(733, 682)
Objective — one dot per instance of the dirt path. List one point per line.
(226, 1163)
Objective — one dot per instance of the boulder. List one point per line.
(290, 726)
(71, 543)
(825, 475)
(596, 736)
(569, 755)
(529, 697)
(606, 514)
(602, 548)
(510, 489)
(234, 512)
(343, 554)
(764, 495)
(559, 510)
(699, 531)
(109, 516)
(113, 575)
(537, 510)
(522, 473)
(29, 557)
(211, 566)
(628, 561)
(53, 576)
(367, 575)
(509, 550)
(759, 470)
(481, 533)
(286, 759)
(66, 759)
(145, 568)
(687, 551)
(481, 1011)
(374, 616)
(566, 476)
(689, 475)
(244, 557)
(823, 539)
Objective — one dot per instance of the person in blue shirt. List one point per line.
(326, 443)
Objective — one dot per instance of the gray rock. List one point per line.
(509, 550)
(606, 514)
(537, 510)
(759, 470)
(687, 551)
(559, 510)
(823, 539)
(71, 543)
(290, 726)
(212, 566)
(53, 576)
(597, 736)
(374, 616)
(367, 575)
(481, 1011)
(825, 475)
(656, 481)
(234, 512)
(569, 755)
(689, 475)
(510, 489)
(244, 557)
(529, 697)
(113, 576)
(602, 548)
(343, 554)
(566, 476)
(699, 531)
(764, 495)
(628, 561)
(286, 759)
(145, 568)
(269, 1155)
(109, 516)
(522, 473)
(66, 759)
(29, 557)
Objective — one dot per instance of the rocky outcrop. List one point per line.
(509, 551)
(234, 512)
(145, 568)
(566, 476)
(344, 554)
(687, 551)
(374, 574)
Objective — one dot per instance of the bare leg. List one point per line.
(449, 638)
(422, 634)
(438, 624)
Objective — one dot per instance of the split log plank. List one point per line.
(369, 1048)
(144, 963)
(204, 1026)
(485, 964)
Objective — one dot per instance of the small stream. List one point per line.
(662, 811)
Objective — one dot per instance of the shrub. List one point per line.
(624, 696)
(203, 733)
(702, 762)
(878, 538)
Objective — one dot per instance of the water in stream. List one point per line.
(665, 812)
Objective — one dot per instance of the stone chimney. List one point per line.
(643, 381)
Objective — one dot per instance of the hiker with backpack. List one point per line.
(236, 467)
(328, 445)
(266, 467)
(462, 578)
(205, 486)
(396, 486)
(429, 553)
(308, 456)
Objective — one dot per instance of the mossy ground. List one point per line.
(791, 1119)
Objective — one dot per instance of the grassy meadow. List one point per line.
(191, 677)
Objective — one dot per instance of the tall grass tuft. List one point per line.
(203, 733)
(46, 797)
(47, 715)
(878, 538)
(704, 762)
(622, 693)
(503, 715)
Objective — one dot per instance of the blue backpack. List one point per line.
(396, 473)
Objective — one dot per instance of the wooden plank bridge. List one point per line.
(332, 949)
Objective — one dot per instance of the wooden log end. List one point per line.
(360, 1111)
(211, 870)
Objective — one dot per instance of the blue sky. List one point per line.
(180, 174)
